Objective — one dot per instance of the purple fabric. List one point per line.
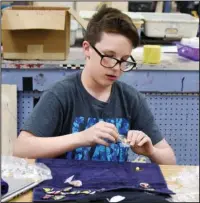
(4, 187)
(97, 175)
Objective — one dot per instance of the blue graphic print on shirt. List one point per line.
(115, 152)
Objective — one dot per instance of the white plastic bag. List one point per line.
(186, 185)
(20, 168)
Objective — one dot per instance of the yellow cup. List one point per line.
(151, 54)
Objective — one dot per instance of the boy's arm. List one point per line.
(153, 143)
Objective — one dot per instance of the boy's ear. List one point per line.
(86, 49)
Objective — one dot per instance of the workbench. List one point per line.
(184, 191)
(171, 89)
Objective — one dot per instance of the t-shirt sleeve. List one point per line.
(145, 121)
(46, 118)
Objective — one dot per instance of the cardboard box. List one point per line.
(54, 4)
(43, 33)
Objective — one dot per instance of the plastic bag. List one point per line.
(186, 185)
(20, 168)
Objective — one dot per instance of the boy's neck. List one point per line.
(98, 91)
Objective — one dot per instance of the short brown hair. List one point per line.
(111, 20)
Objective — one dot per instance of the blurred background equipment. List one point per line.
(188, 6)
(142, 6)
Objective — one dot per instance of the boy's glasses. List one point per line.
(110, 62)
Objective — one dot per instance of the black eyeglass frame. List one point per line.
(133, 62)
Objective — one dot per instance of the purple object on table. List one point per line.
(188, 52)
(96, 175)
(4, 187)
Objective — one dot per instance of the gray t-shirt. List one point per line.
(67, 107)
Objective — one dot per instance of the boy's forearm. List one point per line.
(163, 156)
(30, 146)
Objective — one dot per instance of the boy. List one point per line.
(82, 116)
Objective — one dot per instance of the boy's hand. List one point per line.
(99, 133)
(140, 143)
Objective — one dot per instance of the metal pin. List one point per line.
(123, 140)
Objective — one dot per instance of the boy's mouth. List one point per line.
(111, 77)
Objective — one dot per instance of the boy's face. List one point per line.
(112, 45)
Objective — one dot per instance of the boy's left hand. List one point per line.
(140, 143)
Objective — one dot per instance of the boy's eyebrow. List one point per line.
(109, 51)
(114, 53)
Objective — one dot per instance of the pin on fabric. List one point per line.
(144, 185)
(58, 197)
(138, 169)
(75, 183)
(61, 194)
(86, 192)
(67, 189)
(48, 190)
(46, 197)
(74, 192)
(123, 140)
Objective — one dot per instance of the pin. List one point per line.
(76, 183)
(47, 190)
(144, 185)
(64, 193)
(138, 169)
(51, 193)
(58, 197)
(74, 192)
(86, 192)
(57, 192)
(124, 141)
(67, 189)
(47, 196)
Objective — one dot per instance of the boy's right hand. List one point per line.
(99, 133)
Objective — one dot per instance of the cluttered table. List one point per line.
(169, 60)
(183, 180)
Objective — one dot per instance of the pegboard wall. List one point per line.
(176, 115)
